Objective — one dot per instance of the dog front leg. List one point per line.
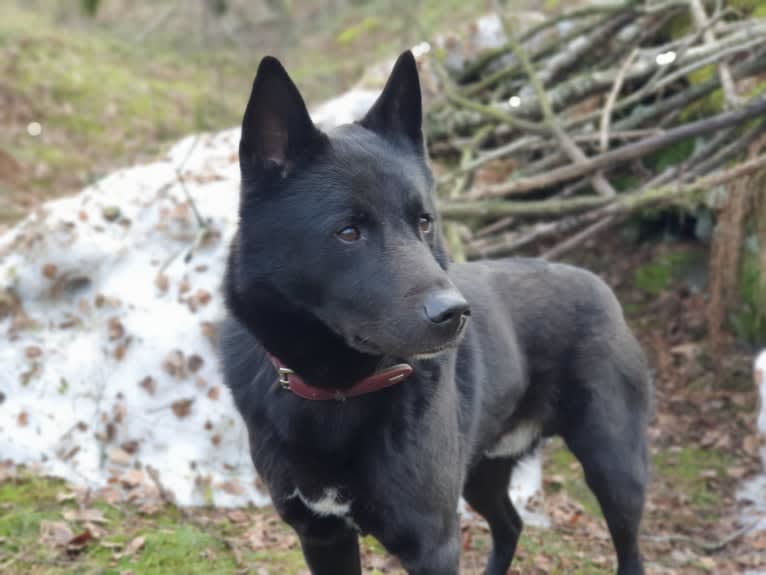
(434, 557)
(338, 556)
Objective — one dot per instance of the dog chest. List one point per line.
(517, 441)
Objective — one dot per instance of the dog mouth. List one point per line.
(363, 344)
(366, 345)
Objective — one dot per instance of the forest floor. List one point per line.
(703, 446)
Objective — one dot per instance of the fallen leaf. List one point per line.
(130, 446)
(23, 419)
(162, 282)
(203, 297)
(33, 351)
(232, 487)
(55, 533)
(148, 384)
(50, 271)
(174, 364)
(237, 516)
(85, 516)
(119, 456)
(132, 478)
(182, 407)
(116, 329)
(77, 543)
(135, 546)
(195, 362)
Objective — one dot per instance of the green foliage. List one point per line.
(354, 32)
(749, 320)
(656, 276)
(756, 8)
(90, 7)
(709, 105)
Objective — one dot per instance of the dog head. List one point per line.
(343, 225)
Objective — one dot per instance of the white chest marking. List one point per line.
(328, 505)
(516, 442)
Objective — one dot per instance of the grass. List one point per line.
(101, 102)
(203, 541)
(172, 543)
(690, 469)
(105, 99)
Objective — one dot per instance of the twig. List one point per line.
(510, 243)
(611, 218)
(496, 114)
(600, 184)
(179, 175)
(627, 152)
(727, 82)
(626, 202)
(708, 546)
(606, 117)
(571, 243)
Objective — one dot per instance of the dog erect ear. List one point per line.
(398, 113)
(277, 127)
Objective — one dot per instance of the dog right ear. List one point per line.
(277, 128)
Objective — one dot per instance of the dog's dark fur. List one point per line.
(334, 270)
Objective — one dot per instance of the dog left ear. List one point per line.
(276, 128)
(397, 113)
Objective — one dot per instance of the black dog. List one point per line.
(338, 287)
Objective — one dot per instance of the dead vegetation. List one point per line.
(594, 115)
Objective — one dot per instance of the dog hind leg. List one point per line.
(486, 490)
(608, 437)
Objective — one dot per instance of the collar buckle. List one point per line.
(284, 376)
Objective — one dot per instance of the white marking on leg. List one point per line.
(516, 442)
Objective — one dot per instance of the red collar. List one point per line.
(289, 380)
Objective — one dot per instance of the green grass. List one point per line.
(106, 99)
(690, 469)
(102, 102)
(196, 542)
(545, 550)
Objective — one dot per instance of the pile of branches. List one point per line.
(548, 137)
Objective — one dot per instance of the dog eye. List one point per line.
(349, 234)
(426, 223)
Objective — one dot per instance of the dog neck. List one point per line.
(306, 345)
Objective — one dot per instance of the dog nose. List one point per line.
(446, 306)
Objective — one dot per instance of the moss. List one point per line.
(756, 8)
(656, 276)
(670, 156)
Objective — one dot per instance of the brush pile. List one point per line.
(590, 116)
